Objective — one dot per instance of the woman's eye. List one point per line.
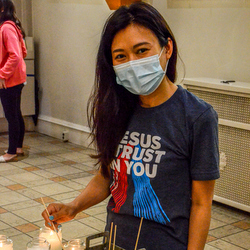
(140, 51)
(120, 56)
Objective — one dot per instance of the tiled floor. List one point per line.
(58, 171)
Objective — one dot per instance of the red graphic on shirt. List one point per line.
(119, 186)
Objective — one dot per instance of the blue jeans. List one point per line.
(11, 101)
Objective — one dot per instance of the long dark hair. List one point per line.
(111, 105)
(8, 13)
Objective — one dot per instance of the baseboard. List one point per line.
(232, 203)
(54, 127)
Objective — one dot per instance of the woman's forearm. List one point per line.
(199, 226)
(200, 214)
(96, 191)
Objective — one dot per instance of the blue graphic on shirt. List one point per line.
(146, 203)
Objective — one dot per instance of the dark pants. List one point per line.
(11, 101)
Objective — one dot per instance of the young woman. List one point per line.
(12, 76)
(157, 143)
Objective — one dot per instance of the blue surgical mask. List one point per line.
(142, 76)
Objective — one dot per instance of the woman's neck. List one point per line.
(159, 96)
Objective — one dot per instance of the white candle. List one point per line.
(38, 243)
(52, 238)
(37, 248)
(75, 244)
(5, 247)
(5, 243)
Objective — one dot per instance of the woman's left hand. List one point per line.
(2, 84)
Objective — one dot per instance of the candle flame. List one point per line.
(51, 232)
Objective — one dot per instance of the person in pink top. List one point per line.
(12, 76)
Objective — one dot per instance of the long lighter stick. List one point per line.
(138, 233)
(110, 235)
(52, 223)
(114, 238)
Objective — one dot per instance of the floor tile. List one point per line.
(72, 184)
(224, 231)
(242, 224)
(64, 170)
(69, 195)
(16, 187)
(20, 164)
(68, 162)
(52, 189)
(9, 172)
(5, 189)
(241, 239)
(75, 229)
(20, 241)
(11, 197)
(12, 220)
(45, 200)
(223, 245)
(10, 232)
(6, 182)
(224, 217)
(46, 174)
(3, 225)
(21, 205)
(24, 177)
(30, 214)
(95, 210)
(29, 227)
(38, 161)
(30, 169)
(94, 222)
(31, 194)
(210, 238)
(2, 211)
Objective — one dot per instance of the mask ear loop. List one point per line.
(165, 71)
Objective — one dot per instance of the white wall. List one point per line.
(66, 35)
(212, 42)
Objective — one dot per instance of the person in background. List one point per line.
(12, 76)
(157, 143)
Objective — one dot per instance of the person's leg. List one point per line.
(9, 99)
(21, 121)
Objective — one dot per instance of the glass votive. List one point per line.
(75, 244)
(54, 239)
(38, 243)
(5, 243)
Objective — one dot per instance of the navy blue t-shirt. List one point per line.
(162, 151)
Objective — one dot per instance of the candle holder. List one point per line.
(38, 243)
(75, 244)
(54, 238)
(5, 243)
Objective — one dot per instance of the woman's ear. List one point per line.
(169, 48)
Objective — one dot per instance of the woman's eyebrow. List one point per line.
(117, 50)
(134, 47)
(140, 44)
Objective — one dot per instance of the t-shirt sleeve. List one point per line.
(204, 147)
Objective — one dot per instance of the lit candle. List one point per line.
(52, 237)
(37, 248)
(75, 244)
(38, 243)
(5, 243)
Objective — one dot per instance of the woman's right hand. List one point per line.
(58, 213)
(2, 84)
